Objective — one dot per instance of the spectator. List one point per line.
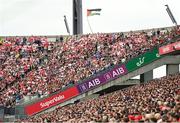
(155, 101)
(32, 65)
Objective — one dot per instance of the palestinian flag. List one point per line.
(92, 12)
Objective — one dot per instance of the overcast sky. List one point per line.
(45, 17)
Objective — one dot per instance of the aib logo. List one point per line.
(107, 76)
(83, 87)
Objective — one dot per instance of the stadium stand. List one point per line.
(155, 101)
(35, 66)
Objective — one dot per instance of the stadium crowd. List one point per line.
(154, 101)
(35, 66)
(18, 56)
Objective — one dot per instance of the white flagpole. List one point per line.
(89, 25)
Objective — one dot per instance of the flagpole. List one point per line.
(89, 24)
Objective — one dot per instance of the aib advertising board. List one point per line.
(102, 79)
